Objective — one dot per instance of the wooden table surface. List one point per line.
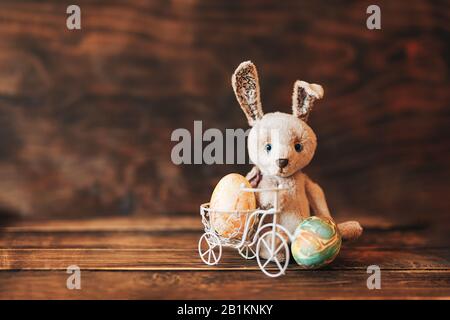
(156, 258)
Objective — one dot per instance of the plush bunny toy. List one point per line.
(281, 145)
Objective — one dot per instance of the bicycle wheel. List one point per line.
(209, 248)
(279, 247)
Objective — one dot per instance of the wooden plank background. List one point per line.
(149, 258)
(86, 116)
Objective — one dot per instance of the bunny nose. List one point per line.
(282, 163)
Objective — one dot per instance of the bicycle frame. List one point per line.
(262, 213)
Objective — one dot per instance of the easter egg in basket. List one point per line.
(316, 242)
(231, 206)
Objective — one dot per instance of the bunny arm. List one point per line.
(349, 230)
(316, 198)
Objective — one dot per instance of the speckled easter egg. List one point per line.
(230, 206)
(317, 242)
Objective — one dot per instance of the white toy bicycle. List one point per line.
(264, 236)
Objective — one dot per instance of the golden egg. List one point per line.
(230, 206)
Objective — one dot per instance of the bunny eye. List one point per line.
(268, 147)
(298, 147)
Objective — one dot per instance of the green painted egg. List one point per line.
(316, 242)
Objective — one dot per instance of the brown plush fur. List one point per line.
(282, 132)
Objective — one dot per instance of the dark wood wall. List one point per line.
(86, 116)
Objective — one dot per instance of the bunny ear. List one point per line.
(303, 98)
(246, 88)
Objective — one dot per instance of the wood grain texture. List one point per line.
(183, 231)
(227, 285)
(181, 239)
(188, 259)
(144, 258)
(86, 116)
(112, 224)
